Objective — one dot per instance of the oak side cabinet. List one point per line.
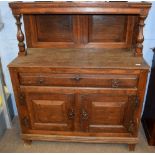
(81, 76)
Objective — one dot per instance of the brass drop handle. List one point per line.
(115, 83)
(71, 114)
(40, 81)
(77, 78)
(84, 115)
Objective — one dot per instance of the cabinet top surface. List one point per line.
(80, 3)
(80, 58)
(79, 7)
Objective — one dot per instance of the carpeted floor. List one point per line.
(11, 142)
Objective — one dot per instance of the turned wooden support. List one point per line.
(20, 36)
(140, 38)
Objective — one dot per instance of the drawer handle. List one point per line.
(84, 115)
(115, 83)
(77, 78)
(40, 81)
(71, 114)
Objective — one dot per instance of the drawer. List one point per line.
(79, 80)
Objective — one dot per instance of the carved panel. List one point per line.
(104, 113)
(50, 111)
(54, 28)
(107, 28)
(110, 31)
(50, 30)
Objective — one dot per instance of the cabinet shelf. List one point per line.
(80, 58)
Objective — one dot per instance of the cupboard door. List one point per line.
(107, 113)
(51, 111)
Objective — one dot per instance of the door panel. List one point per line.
(51, 111)
(106, 113)
(54, 28)
(107, 28)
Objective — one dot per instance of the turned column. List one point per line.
(140, 38)
(20, 36)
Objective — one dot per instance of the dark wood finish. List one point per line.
(148, 118)
(80, 80)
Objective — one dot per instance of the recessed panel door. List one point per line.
(50, 111)
(107, 113)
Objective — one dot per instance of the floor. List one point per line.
(11, 142)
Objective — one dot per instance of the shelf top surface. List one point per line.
(80, 7)
(80, 58)
(80, 3)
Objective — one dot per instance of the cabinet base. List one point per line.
(131, 141)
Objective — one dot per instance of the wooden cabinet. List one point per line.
(82, 76)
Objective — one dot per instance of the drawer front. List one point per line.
(79, 80)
